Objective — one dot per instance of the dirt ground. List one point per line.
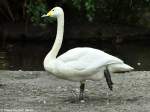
(37, 91)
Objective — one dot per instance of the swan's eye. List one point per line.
(53, 10)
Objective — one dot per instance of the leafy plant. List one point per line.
(87, 5)
(116, 11)
(35, 9)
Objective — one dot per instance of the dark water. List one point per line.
(30, 55)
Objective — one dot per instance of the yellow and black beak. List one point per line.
(48, 14)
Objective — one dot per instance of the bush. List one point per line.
(117, 11)
(35, 9)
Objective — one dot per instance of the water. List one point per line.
(30, 55)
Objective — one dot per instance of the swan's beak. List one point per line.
(48, 14)
(45, 15)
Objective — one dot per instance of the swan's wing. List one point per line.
(86, 59)
(73, 54)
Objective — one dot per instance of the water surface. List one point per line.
(25, 55)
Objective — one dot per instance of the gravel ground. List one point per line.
(37, 91)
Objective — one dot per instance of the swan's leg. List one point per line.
(108, 78)
(82, 86)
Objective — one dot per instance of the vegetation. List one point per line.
(107, 10)
(122, 11)
(88, 5)
(35, 9)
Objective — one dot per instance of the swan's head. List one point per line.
(55, 12)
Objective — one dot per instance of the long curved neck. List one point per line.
(59, 37)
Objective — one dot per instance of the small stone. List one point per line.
(138, 63)
(59, 87)
(64, 89)
(77, 90)
(86, 90)
(44, 102)
(82, 101)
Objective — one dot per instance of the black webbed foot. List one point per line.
(108, 78)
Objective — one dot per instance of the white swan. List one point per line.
(82, 63)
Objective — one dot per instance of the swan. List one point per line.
(81, 63)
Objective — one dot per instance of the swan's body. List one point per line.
(79, 64)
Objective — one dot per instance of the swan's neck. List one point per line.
(57, 44)
(59, 37)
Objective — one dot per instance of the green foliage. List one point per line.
(35, 9)
(118, 11)
(87, 5)
(121, 11)
(90, 8)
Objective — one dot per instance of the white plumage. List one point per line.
(82, 63)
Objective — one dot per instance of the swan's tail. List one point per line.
(120, 67)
